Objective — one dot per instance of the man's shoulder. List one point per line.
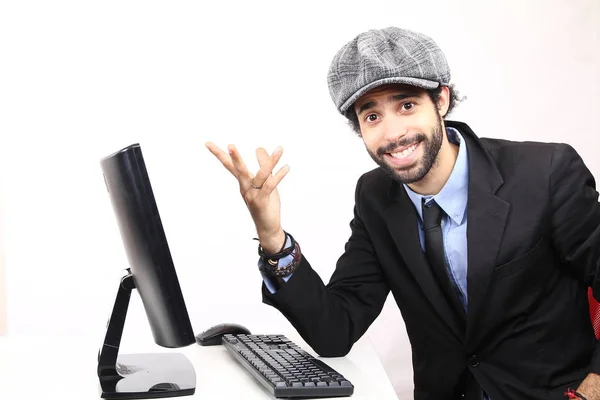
(376, 177)
(375, 189)
(374, 183)
(517, 152)
(525, 158)
(497, 146)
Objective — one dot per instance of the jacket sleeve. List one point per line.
(576, 221)
(332, 317)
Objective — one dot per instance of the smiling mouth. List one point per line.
(400, 155)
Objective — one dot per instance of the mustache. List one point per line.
(405, 141)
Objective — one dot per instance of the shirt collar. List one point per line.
(453, 196)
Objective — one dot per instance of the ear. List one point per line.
(444, 101)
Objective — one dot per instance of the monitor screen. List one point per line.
(146, 246)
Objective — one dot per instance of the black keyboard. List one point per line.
(285, 369)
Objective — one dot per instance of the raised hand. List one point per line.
(258, 191)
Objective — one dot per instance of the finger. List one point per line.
(274, 180)
(276, 156)
(221, 156)
(267, 164)
(240, 167)
(264, 160)
(262, 156)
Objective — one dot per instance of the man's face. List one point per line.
(402, 130)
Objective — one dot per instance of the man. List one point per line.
(488, 246)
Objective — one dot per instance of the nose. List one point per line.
(393, 129)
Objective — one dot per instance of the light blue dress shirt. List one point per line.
(453, 200)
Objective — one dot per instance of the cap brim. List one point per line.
(422, 83)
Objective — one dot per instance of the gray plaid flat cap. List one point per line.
(383, 56)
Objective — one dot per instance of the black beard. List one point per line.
(431, 149)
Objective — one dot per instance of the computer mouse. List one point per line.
(212, 336)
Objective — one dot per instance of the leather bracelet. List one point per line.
(271, 266)
(284, 252)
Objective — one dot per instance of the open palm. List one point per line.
(259, 190)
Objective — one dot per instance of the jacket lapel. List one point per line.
(401, 221)
(486, 219)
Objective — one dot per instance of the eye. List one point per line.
(371, 117)
(408, 106)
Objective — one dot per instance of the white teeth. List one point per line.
(405, 153)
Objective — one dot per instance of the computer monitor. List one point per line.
(152, 273)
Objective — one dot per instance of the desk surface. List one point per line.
(65, 369)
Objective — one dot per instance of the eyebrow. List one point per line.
(371, 104)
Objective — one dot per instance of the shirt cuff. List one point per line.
(283, 262)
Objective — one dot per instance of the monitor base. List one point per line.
(139, 376)
(152, 375)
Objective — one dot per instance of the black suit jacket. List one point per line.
(533, 235)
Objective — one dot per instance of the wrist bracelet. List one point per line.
(284, 252)
(270, 264)
(573, 394)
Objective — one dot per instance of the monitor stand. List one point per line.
(139, 376)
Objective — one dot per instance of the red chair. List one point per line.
(594, 313)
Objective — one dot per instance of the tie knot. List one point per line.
(432, 214)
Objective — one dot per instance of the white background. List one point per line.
(81, 79)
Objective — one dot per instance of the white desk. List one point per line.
(65, 369)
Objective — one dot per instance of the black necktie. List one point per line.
(434, 250)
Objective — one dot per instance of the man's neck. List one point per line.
(439, 174)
